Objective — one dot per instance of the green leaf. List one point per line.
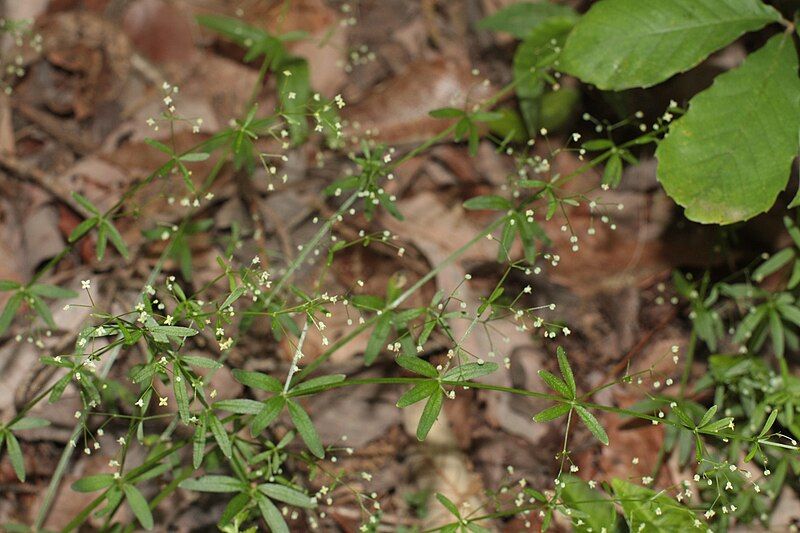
(213, 483)
(173, 331)
(776, 333)
(257, 380)
(318, 382)
(285, 494)
(233, 296)
(220, 435)
(378, 338)
(29, 422)
(52, 291)
(490, 202)
(201, 362)
(707, 416)
(9, 311)
(566, 370)
(240, 406)
(294, 108)
(555, 383)
(430, 413)
(521, 18)
(234, 29)
(233, 508)
(417, 393)
(652, 511)
(139, 506)
(768, 424)
(448, 504)
(720, 424)
(93, 483)
(469, 371)
(551, 413)
(85, 203)
(306, 428)
(417, 365)
(592, 423)
(8, 285)
(194, 157)
(612, 173)
(620, 44)
(534, 56)
(773, 264)
(116, 239)
(43, 311)
(15, 456)
(83, 228)
(181, 397)
(161, 147)
(446, 112)
(271, 514)
(590, 506)
(269, 412)
(727, 159)
(199, 442)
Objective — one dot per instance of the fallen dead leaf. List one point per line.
(422, 87)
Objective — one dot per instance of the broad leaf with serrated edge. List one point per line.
(727, 159)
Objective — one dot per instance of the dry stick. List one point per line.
(42, 180)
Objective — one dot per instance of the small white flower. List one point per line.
(86, 284)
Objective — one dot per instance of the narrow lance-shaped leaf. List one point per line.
(139, 506)
(566, 370)
(417, 393)
(592, 423)
(469, 371)
(272, 516)
(220, 435)
(417, 365)
(9, 311)
(257, 380)
(268, 413)
(430, 413)
(213, 483)
(305, 427)
(620, 44)
(730, 155)
(551, 413)
(286, 494)
(555, 383)
(15, 456)
(199, 442)
(93, 483)
(181, 396)
(378, 338)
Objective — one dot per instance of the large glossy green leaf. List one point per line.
(728, 158)
(621, 44)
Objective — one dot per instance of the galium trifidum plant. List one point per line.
(733, 431)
